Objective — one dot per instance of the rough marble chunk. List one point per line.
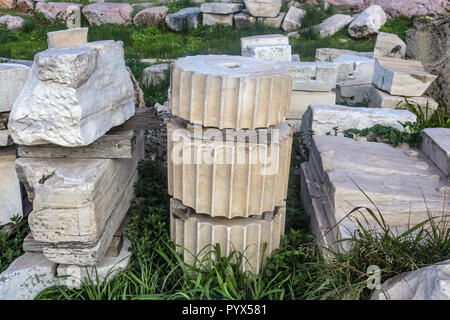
(401, 77)
(263, 8)
(73, 96)
(27, 276)
(221, 8)
(300, 101)
(428, 283)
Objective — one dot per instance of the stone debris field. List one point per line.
(72, 135)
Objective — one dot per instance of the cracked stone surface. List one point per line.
(73, 96)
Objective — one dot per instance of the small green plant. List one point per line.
(11, 240)
(393, 136)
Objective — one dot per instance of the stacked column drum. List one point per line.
(229, 156)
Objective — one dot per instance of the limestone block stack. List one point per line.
(395, 80)
(228, 155)
(12, 80)
(78, 171)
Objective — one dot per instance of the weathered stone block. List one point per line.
(321, 119)
(300, 101)
(73, 96)
(228, 178)
(293, 19)
(105, 270)
(221, 8)
(401, 77)
(210, 19)
(12, 22)
(155, 75)
(354, 70)
(67, 38)
(262, 40)
(342, 167)
(230, 91)
(12, 80)
(198, 233)
(333, 25)
(10, 196)
(389, 45)
(330, 54)
(368, 22)
(271, 52)
(263, 8)
(108, 13)
(185, 18)
(150, 16)
(381, 99)
(27, 276)
(8, 4)
(272, 22)
(436, 145)
(351, 95)
(313, 76)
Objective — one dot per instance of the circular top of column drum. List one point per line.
(230, 91)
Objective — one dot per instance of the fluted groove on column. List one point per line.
(230, 91)
(231, 189)
(195, 234)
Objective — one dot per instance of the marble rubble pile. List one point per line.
(340, 169)
(395, 80)
(77, 166)
(228, 155)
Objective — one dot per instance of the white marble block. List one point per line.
(313, 76)
(323, 118)
(354, 70)
(261, 40)
(12, 80)
(436, 145)
(10, 197)
(300, 101)
(401, 77)
(381, 99)
(271, 52)
(73, 96)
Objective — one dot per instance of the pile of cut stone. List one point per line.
(228, 156)
(405, 184)
(78, 163)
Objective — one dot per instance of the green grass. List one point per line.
(398, 26)
(11, 241)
